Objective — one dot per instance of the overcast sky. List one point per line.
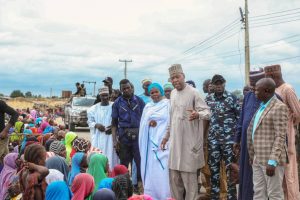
(54, 43)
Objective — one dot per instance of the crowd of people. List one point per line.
(166, 143)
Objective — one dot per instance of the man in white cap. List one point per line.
(185, 135)
(99, 120)
(146, 96)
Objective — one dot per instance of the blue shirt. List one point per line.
(258, 114)
(225, 111)
(128, 113)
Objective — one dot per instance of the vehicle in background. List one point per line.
(76, 111)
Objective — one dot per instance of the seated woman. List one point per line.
(122, 186)
(154, 160)
(58, 163)
(82, 186)
(58, 190)
(69, 138)
(104, 194)
(9, 169)
(32, 176)
(79, 165)
(98, 168)
(58, 148)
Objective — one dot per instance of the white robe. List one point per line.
(98, 114)
(154, 161)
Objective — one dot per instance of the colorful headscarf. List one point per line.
(82, 186)
(58, 163)
(9, 169)
(81, 145)
(18, 126)
(104, 194)
(54, 175)
(106, 183)
(141, 197)
(58, 190)
(57, 147)
(97, 168)
(70, 137)
(119, 170)
(157, 86)
(38, 121)
(168, 86)
(75, 169)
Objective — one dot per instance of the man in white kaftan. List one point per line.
(99, 120)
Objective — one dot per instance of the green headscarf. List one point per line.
(97, 167)
(18, 126)
(70, 136)
(15, 136)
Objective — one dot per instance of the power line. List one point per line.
(272, 17)
(275, 20)
(224, 55)
(274, 13)
(274, 23)
(211, 37)
(287, 58)
(208, 47)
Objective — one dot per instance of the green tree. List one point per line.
(16, 93)
(28, 94)
(1, 95)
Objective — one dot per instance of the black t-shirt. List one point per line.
(4, 108)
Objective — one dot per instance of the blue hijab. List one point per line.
(75, 168)
(26, 132)
(157, 86)
(106, 183)
(58, 190)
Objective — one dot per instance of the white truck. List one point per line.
(76, 112)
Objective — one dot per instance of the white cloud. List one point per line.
(70, 40)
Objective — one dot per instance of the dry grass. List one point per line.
(24, 103)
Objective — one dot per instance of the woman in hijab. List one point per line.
(119, 170)
(54, 175)
(80, 145)
(154, 160)
(104, 194)
(98, 167)
(78, 160)
(16, 137)
(82, 186)
(106, 183)
(9, 169)
(122, 186)
(58, 148)
(70, 137)
(58, 163)
(58, 190)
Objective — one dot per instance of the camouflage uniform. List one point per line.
(225, 113)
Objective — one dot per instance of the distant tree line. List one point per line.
(19, 93)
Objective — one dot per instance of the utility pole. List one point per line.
(125, 69)
(94, 82)
(247, 46)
